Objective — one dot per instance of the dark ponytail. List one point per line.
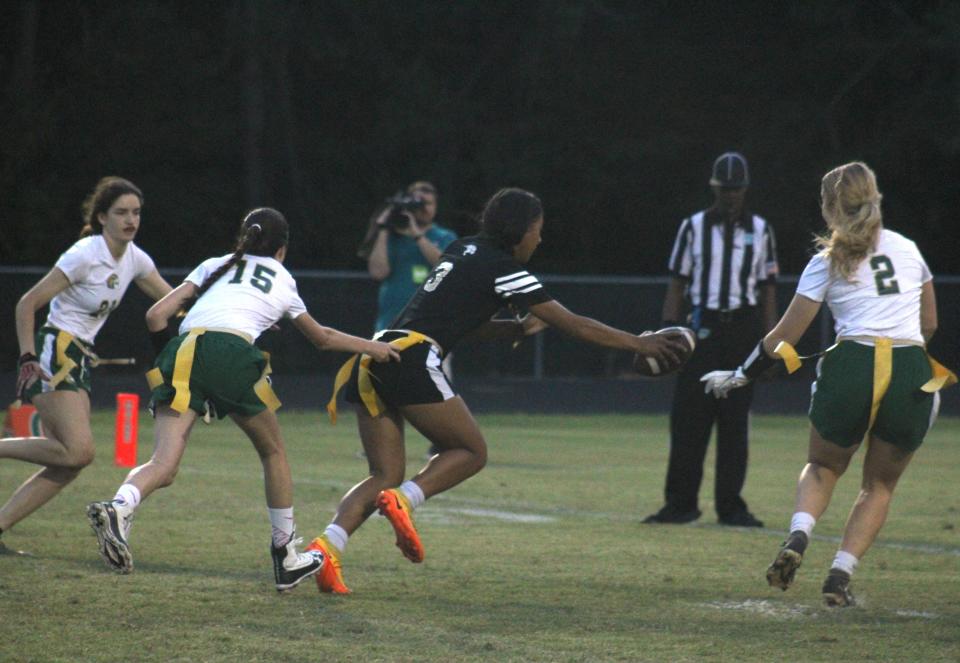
(508, 215)
(264, 231)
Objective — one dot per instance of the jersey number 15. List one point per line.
(260, 279)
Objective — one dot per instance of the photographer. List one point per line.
(402, 246)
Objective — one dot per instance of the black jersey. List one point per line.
(473, 280)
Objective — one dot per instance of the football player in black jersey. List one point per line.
(474, 279)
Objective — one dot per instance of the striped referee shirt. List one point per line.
(724, 262)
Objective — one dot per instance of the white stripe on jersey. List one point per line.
(511, 277)
(520, 282)
(535, 286)
(519, 286)
(513, 285)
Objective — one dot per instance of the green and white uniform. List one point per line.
(213, 363)
(98, 282)
(879, 305)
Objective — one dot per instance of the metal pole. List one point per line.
(538, 357)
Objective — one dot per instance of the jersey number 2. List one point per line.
(883, 274)
(260, 279)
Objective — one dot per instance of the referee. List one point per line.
(724, 264)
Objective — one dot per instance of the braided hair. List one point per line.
(264, 231)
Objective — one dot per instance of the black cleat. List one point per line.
(836, 589)
(290, 568)
(781, 572)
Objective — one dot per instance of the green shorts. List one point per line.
(54, 349)
(843, 393)
(225, 377)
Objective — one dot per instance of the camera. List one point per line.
(400, 203)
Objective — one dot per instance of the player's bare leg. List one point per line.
(111, 519)
(66, 450)
(290, 567)
(825, 465)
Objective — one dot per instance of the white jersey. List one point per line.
(253, 295)
(883, 297)
(97, 283)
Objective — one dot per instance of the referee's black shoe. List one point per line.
(671, 515)
(740, 519)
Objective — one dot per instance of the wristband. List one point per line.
(417, 238)
(25, 358)
(758, 362)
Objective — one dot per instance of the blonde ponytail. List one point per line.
(850, 204)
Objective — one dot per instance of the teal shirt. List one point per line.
(408, 269)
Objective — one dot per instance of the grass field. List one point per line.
(541, 557)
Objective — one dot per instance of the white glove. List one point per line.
(721, 382)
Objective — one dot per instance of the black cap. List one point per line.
(730, 171)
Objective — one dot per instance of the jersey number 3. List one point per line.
(439, 273)
(261, 278)
(883, 274)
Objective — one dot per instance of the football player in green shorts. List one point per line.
(212, 367)
(877, 383)
(85, 285)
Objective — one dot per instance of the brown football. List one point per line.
(651, 367)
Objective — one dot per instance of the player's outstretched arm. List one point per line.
(327, 338)
(790, 329)
(662, 347)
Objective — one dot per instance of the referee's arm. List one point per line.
(681, 269)
(673, 302)
(768, 305)
(767, 295)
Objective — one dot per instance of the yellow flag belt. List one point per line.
(364, 384)
(942, 377)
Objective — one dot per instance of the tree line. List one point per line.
(612, 111)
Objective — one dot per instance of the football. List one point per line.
(651, 367)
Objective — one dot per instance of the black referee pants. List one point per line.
(694, 413)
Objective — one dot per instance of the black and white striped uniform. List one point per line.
(724, 261)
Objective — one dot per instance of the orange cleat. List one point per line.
(329, 578)
(394, 505)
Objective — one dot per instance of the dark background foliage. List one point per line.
(611, 111)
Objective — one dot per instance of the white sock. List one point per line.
(413, 493)
(129, 495)
(337, 536)
(802, 521)
(845, 562)
(283, 525)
